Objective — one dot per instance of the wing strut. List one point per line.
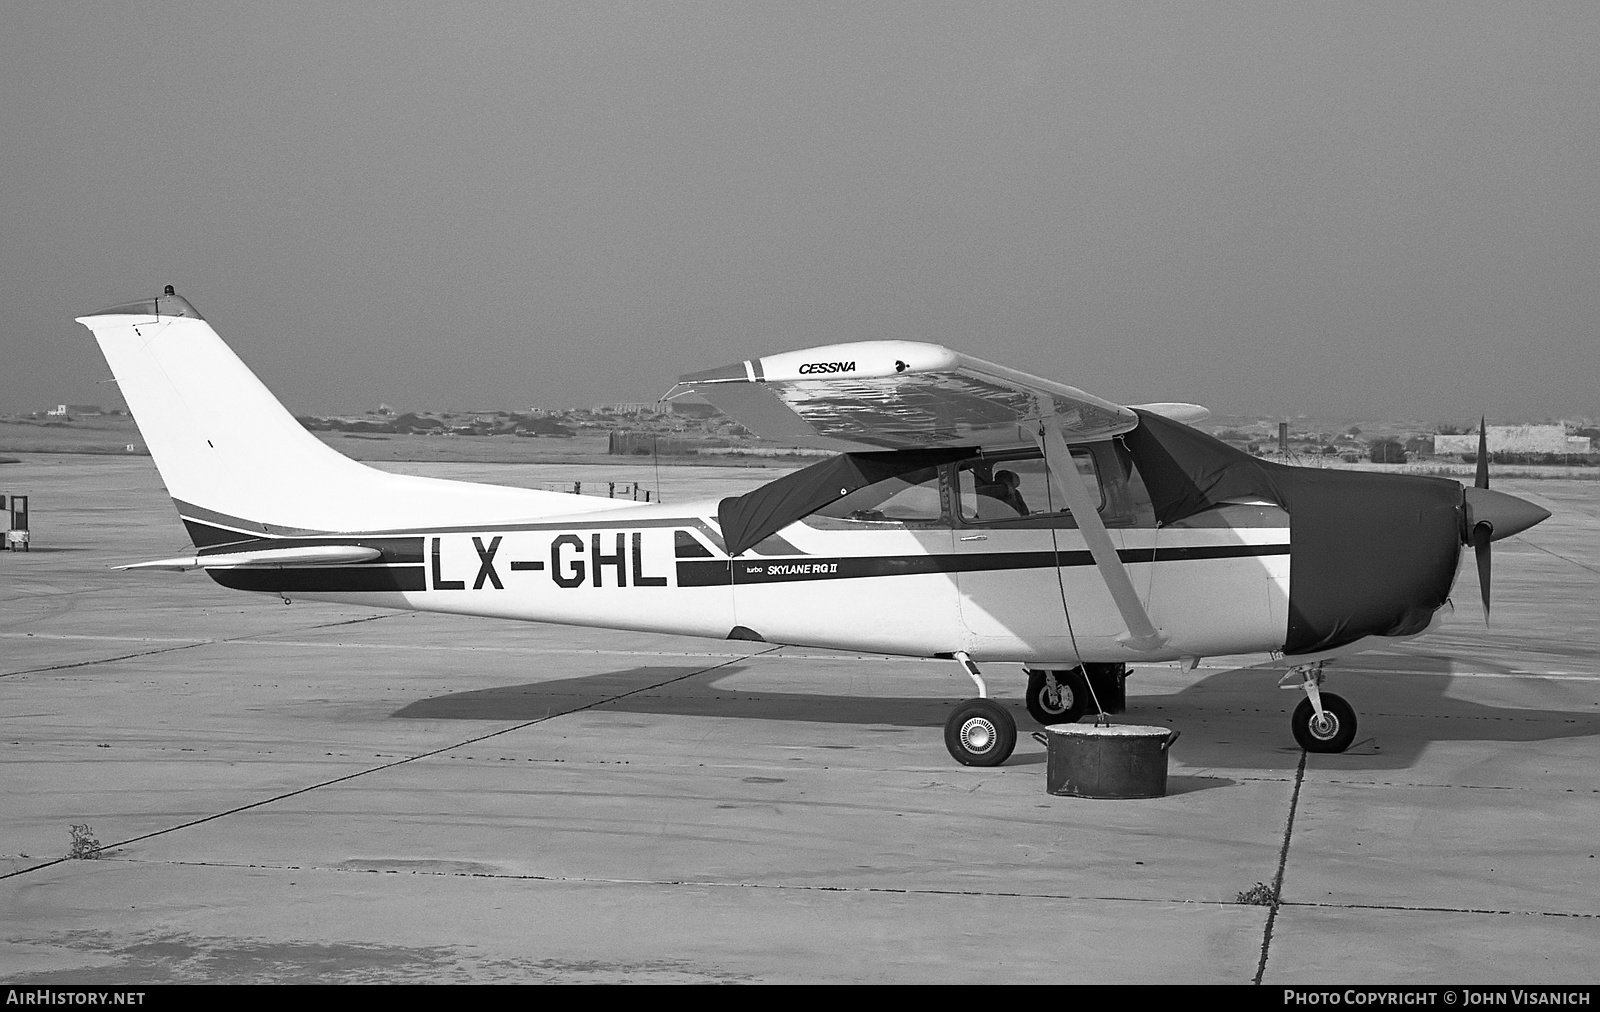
(1142, 635)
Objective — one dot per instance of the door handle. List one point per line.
(976, 537)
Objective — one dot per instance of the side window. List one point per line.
(1018, 488)
(910, 498)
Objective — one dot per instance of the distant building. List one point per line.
(74, 409)
(631, 408)
(692, 409)
(1515, 439)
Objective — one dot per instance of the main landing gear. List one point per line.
(1323, 722)
(1064, 696)
(980, 732)
(1057, 697)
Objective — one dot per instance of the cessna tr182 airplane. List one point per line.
(973, 513)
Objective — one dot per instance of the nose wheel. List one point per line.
(1323, 722)
(1331, 731)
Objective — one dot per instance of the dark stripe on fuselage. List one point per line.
(207, 537)
(324, 579)
(221, 525)
(209, 529)
(378, 578)
(714, 572)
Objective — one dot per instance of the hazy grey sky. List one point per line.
(1385, 209)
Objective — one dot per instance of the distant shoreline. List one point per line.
(485, 455)
(112, 437)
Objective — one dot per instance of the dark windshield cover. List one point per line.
(750, 518)
(1189, 472)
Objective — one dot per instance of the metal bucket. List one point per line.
(1125, 761)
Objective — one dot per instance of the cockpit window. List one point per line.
(1018, 487)
(912, 497)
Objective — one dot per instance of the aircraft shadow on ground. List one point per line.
(1235, 718)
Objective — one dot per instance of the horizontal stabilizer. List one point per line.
(308, 555)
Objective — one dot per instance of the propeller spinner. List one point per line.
(1490, 516)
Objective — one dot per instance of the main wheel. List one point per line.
(980, 733)
(1333, 733)
(1108, 685)
(1065, 705)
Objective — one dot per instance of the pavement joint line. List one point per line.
(100, 639)
(685, 882)
(174, 649)
(1283, 862)
(801, 887)
(105, 660)
(1420, 909)
(1225, 775)
(384, 766)
(1446, 787)
(1573, 719)
(1563, 558)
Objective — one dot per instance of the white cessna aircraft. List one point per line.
(973, 513)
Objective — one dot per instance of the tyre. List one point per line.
(1108, 685)
(980, 733)
(1332, 734)
(1066, 705)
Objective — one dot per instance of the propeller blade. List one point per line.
(1481, 535)
(1483, 455)
(1488, 516)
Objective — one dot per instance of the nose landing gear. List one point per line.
(1323, 722)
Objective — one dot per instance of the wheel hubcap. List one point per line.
(978, 735)
(1324, 727)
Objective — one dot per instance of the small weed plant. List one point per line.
(84, 846)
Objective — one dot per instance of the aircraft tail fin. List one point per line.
(233, 458)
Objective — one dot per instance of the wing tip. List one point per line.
(1176, 411)
(168, 303)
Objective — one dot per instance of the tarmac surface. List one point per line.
(320, 793)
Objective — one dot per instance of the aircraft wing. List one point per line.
(899, 395)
